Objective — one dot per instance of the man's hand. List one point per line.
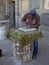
(34, 26)
(23, 23)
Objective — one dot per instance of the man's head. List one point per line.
(32, 12)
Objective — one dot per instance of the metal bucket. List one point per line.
(22, 54)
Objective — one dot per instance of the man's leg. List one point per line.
(35, 51)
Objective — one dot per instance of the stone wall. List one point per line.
(2, 9)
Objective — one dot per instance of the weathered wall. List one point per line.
(2, 9)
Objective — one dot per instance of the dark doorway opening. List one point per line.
(13, 13)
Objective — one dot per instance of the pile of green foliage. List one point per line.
(23, 38)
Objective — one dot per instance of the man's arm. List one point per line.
(37, 22)
(24, 18)
(35, 26)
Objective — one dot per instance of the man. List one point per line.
(32, 20)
